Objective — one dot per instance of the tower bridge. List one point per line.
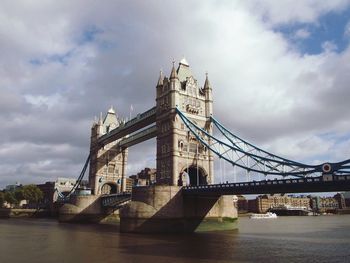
(184, 195)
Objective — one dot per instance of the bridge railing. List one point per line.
(115, 200)
(309, 184)
(268, 182)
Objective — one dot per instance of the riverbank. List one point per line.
(24, 213)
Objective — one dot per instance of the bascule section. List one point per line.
(107, 161)
(181, 158)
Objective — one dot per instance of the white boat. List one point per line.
(263, 216)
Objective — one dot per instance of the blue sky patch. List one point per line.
(310, 37)
(36, 62)
(60, 58)
(89, 34)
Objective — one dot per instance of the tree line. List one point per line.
(31, 193)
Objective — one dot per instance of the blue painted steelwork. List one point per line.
(253, 159)
(293, 185)
(115, 200)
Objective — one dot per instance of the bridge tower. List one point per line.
(181, 159)
(107, 162)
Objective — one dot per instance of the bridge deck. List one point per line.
(115, 200)
(301, 185)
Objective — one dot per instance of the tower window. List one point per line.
(181, 145)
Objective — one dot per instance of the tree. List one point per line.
(32, 193)
(10, 198)
(2, 199)
(18, 194)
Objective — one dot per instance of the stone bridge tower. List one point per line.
(107, 162)
(181, 159)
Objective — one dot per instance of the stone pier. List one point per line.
(164, 209)
(82, 209)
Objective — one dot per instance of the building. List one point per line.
(64, 185)
(341, 200)
(48, 190)
(242, 204)
(263, 203)
(129, 184)
(145, 177)
(324, 204)
(347, 199)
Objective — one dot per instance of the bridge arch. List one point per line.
(109, 188)
(193, 175)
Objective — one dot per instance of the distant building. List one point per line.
(341, 200)
(324, 204)
(347, 199)
(242, 203)
(145, 177)
(48, 190)
(63, 186)
(265, 202)
(129, 184)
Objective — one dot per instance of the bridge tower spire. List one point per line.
(208, 96)
(181, 159)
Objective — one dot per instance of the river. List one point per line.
(285, 239)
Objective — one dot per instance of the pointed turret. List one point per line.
(100, 125)
(100, 121)
(184, 71)
(110, 122)
(208, 97)
(206, 83)
(173, 74)
(111, 110)
(160, 80)
(184, 62)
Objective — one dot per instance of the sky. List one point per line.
(279, 70)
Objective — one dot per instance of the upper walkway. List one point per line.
(139, 122)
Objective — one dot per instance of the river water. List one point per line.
(285, 239)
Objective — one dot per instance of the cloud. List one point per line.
(347, 30)
(302, 33)
(329, 46)
(64, 63)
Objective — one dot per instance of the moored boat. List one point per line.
(268, 215)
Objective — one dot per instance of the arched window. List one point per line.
(181, 145)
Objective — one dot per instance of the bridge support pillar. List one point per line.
(164, 209)
(82, 209)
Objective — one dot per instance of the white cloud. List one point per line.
(347, 30)
(302, 33)
(329, 46)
